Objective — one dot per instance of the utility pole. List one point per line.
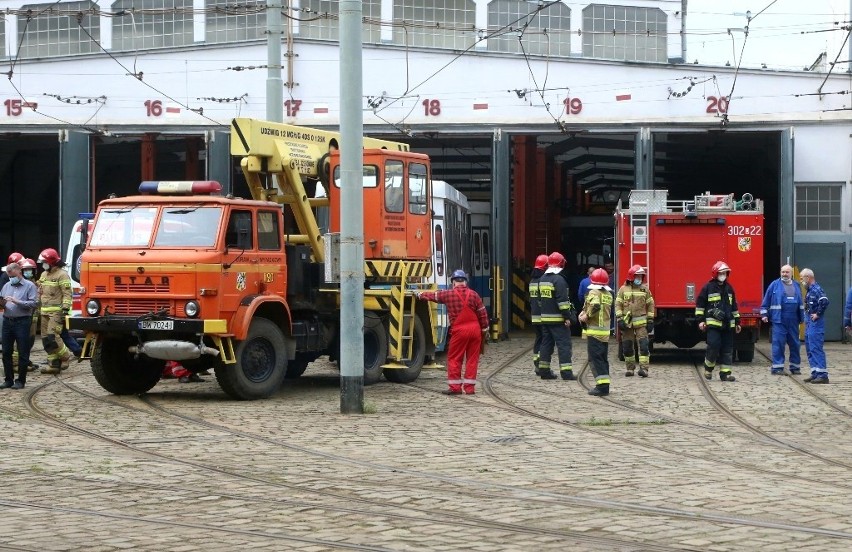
(351, 360)
(274, 89)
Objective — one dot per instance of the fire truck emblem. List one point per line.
(744, 244)
(241, 281)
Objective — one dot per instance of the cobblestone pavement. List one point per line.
(665, 463)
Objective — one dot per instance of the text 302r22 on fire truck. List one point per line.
(678, 242)
(251, 289)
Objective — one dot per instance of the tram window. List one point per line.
(417, 184)
(394, 190)
(486, 247)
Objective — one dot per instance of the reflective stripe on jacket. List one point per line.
(717, 299)
(553, 299)
(634, 304)
(54, 291)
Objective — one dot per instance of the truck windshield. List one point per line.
(191, 227)
(129, 226)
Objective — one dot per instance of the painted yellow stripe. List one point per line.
(178, 268)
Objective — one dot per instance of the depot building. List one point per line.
(551, 112)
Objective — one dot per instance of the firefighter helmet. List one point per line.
(720, 266)
(599, 277)
(556, 260)
(49, 256)
(541, 262)
(28, 263)
(14, 258)
(459, 275)
(634, 270)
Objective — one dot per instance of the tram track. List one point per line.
(505, 403)
(504, 491)
(730, 414)
(418, 515)
(809, 389)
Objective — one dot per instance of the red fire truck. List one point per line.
(678, 242)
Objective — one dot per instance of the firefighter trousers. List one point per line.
(720, 350)
(598, 352)
(638, 335)
(51, 337)
(537, 344)
(558, 335)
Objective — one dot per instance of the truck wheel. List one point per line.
(375, 348)
(418, 357)
(261, 363)
(297, 366)
(119, 372)
(746, 354)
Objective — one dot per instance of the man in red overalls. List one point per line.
(468, 325)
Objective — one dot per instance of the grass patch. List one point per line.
(370, 407)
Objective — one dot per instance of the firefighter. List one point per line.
(556, 315)
(535, 308)
(782, 305)
(634, 313)
(55, 301)
(28, 269)
(469, 324)
(596, 314)
(815, 305)
(716, 310)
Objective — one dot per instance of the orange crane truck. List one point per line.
(250, 287)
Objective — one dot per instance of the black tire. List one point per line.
(418, 357)
(375, 348)
(297, 366)
(117, 371)
(746, 354)
(261, 363)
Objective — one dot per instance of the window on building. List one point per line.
(228, 21)
(624, 33)
(818, 206)
(435, 23)
(545, 32)
(53, 30)
(321, 20)
(168, 24)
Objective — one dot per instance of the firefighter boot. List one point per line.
(629, 372)
(727, 376)
(600, 390)
(643, 371)
(548, 375)
(708, 373)
(567, 375)
(53, 367)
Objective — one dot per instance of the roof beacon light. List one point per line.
(180, 187)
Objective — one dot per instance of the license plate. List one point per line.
(156, 325)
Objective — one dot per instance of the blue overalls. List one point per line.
(783, 306)
(815, 303)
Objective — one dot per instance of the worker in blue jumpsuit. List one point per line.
(782, 306)
(815, 305)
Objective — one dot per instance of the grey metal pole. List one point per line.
(274, 85)
(352, 212)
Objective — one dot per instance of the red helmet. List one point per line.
(541, 262)
(634, 270)
(28, 263)
(720, 266)
(556, 260)
(14, 258)
(599, 277)
(49, 256)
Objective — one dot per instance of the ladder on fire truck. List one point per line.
(641, 204)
